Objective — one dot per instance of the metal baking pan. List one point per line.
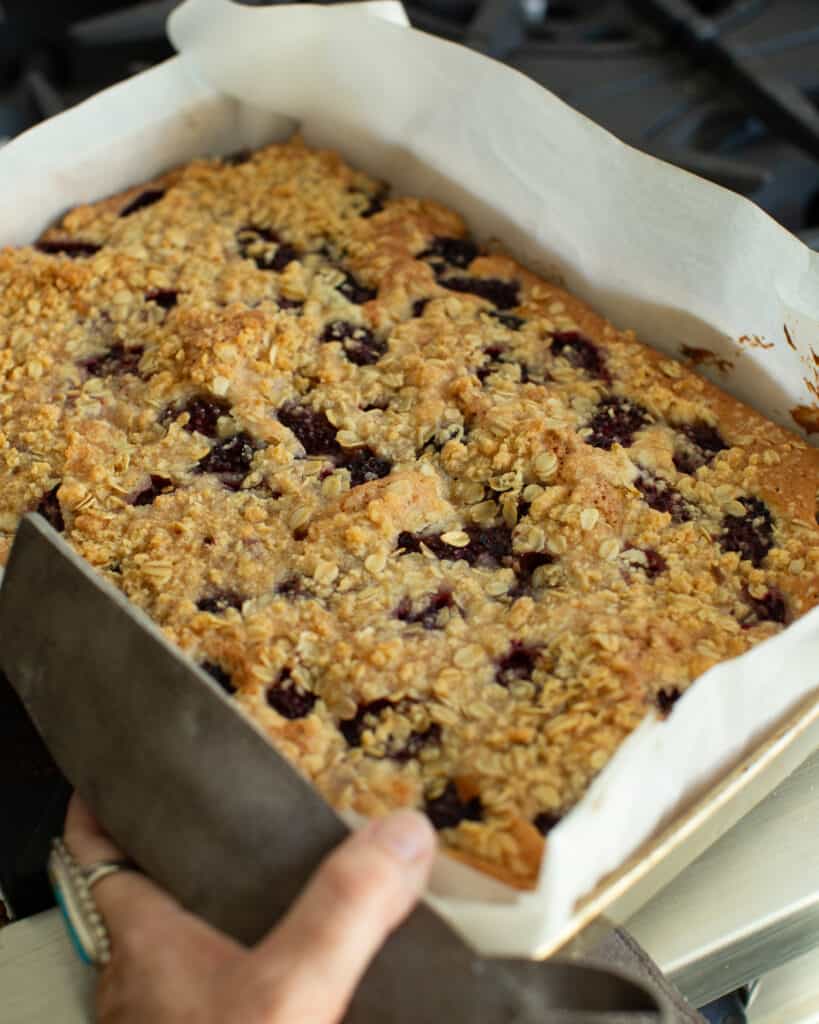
(698, 824)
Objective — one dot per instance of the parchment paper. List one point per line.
(653, 248)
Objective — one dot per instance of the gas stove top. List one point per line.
(728, 89)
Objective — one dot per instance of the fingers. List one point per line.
(306, 970)
(126, 899)
(165, 963)
(84, 835)
(314, 959)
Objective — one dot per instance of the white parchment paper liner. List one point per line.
(653, 248)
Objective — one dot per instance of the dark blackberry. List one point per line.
(355, 292)
(661, 496)
(700, 443)
(448, 810)
(220, 601)
(359, 343)
(158, 485)
(49, 508)
(458, 252)
(503, 294)
(546, 821)
(364, 465)
(615, 421)
(442, 436)
(376, 203)
(489, 546)
(288, 699)
(166, 298)
(266, 259)
(655, 563)
(285, 255)
(293, 587)
(429, 614)
(580, 352)
(493, 354)
(230, 460)
(750, 534)
(204, 412)
(771, 607)
(220, 675)
(518, 663)
(315, 432)
(352, 728)
(116, 361)
(431, 736)
(508, 320)
(525, 566)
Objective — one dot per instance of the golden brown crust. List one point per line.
(447, 554)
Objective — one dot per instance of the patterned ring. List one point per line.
(72, 885)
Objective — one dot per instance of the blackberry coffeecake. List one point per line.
(442, 531)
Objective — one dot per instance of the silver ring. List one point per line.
(72, 886)
(102, 869)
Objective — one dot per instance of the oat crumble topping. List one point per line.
(443, 531)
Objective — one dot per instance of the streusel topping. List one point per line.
(444, 533)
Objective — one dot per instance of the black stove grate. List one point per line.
(728, 89)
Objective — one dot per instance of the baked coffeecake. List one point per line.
(442, 531)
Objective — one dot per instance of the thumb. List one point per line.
(363, 890)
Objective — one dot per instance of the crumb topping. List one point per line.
(442, 531)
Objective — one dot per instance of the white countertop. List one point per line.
(749, 904)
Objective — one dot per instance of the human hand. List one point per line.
(168, 966)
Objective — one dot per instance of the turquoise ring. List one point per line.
(72, 886)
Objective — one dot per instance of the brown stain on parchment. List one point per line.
(807, 416)
(754, 341)
(705, 357)
(813, 385)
